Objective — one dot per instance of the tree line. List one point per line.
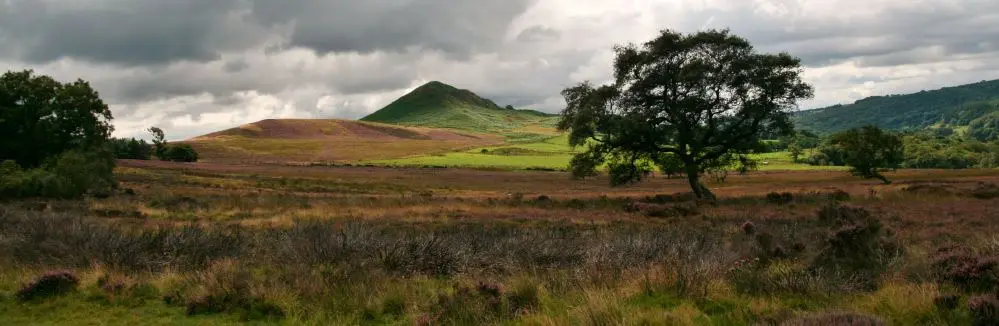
(55, 139)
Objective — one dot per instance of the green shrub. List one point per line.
(48, 285)
(70, 175)
(858, 242)
(180, 153)
(984, 310)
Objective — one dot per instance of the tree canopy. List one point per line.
(41, 118)
(53, 138)
(868, 151)
(696, 99)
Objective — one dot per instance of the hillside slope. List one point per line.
(439, 105)
(303, 140)
(956, 105)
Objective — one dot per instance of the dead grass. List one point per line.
(360, 245)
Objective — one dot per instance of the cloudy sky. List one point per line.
(195, 66)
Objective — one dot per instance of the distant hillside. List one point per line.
(439, 105)
(303, 140)
(952, 105)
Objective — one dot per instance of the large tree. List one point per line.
(41, 118)
(698, 98)
(869, 151)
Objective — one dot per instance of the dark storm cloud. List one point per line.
(144, 32)
(126, 32)
(455, 27)
(959, 27)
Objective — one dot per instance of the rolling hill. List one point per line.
(302, 140)
(953, 106)
(439, 105)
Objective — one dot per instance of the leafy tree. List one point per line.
(698, 97)
(796, 151)
(41, 118)
(174, 153)
(181, 153)
(868, 151)
(159, 141)
(985, 128)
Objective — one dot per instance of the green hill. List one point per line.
(954, 106)
(439, 105)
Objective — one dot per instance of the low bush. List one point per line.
(780, 199)
(984, 310)
(947, 302)
(48, 285)
(857, 242)
(986, 191)
(70, 175)
(966, 269)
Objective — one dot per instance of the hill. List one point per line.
(439, 105)
(954, 106)
(303, 140)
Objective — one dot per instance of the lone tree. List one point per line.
(697, 98)
(868, 151)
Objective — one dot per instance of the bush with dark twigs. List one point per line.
(985, 191)
(984, 310)
(780, 199)
(50, 284)
(966, 269)
(858, 241)
(947, 301)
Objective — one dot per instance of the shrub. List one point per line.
(69, 175)
(780, 199)
(524, 297)
(984, 310)
(947, 302)
(986, 191)
(180, 153)
(748, 228)
(227, 287)
(962, 267)
(48, 285)
(839, 195)
(858, 241)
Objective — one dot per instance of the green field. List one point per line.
(554, 153)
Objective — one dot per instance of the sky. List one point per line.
(197, 66)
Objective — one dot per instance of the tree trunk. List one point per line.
(693, 178)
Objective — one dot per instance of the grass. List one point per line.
(217, 244)
(554, 153)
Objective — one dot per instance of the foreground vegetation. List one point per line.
(384, 246)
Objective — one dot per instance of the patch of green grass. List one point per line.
(77, 309)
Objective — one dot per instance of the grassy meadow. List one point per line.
(206, 243)
(551, 153)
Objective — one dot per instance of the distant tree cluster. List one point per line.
(137, 149)
(168, 152)
(938, 148)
